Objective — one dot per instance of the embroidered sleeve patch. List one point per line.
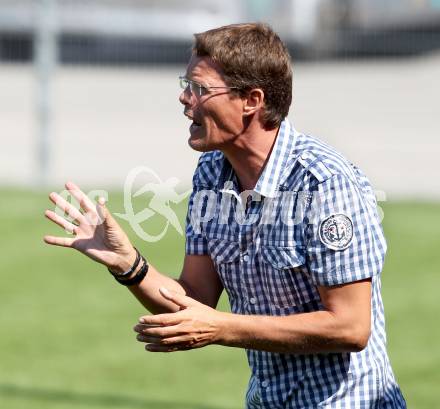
(336, 231)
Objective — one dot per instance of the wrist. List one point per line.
(224, 328)
(135, 275)
(237, 330)
(124, 262)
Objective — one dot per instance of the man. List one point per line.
(278, 219)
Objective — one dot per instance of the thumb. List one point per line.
(104, 215)
(178, 299)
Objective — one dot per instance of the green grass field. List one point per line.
(66, 326)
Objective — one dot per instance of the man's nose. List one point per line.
(185, 97)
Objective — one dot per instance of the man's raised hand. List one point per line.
(95, 232)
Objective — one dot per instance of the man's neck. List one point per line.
(249, 154)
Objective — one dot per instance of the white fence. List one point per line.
(382, 114)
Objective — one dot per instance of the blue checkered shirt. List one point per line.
(271, 249)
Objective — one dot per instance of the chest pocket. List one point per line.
(285, 278)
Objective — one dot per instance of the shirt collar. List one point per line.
(269, 180)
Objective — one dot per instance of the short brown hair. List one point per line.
(252, 56)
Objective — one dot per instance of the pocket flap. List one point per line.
(223, 251)
(282, 257)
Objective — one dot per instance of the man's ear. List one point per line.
(253, 102)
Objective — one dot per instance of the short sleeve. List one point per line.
(195, 241)
(345, 241)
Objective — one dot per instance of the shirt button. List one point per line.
(265, 384)
(253, 300)
(245, 258)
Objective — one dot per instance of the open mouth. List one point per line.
(194, 127)
(195, 124)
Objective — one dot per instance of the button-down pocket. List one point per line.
(283, 278)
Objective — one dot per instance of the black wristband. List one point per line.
(140, 275)
(132, 269)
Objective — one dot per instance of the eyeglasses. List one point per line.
(196, 88)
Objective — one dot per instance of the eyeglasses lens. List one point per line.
(194, 87)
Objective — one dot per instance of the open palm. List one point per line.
(95, 232)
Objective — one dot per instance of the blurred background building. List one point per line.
(88, 89)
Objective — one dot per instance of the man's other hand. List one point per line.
(95, 232)
(194, 326)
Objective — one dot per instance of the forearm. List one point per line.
(198, 280)
(308, 333)
(147, 292)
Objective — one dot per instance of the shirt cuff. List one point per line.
(196, 246)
